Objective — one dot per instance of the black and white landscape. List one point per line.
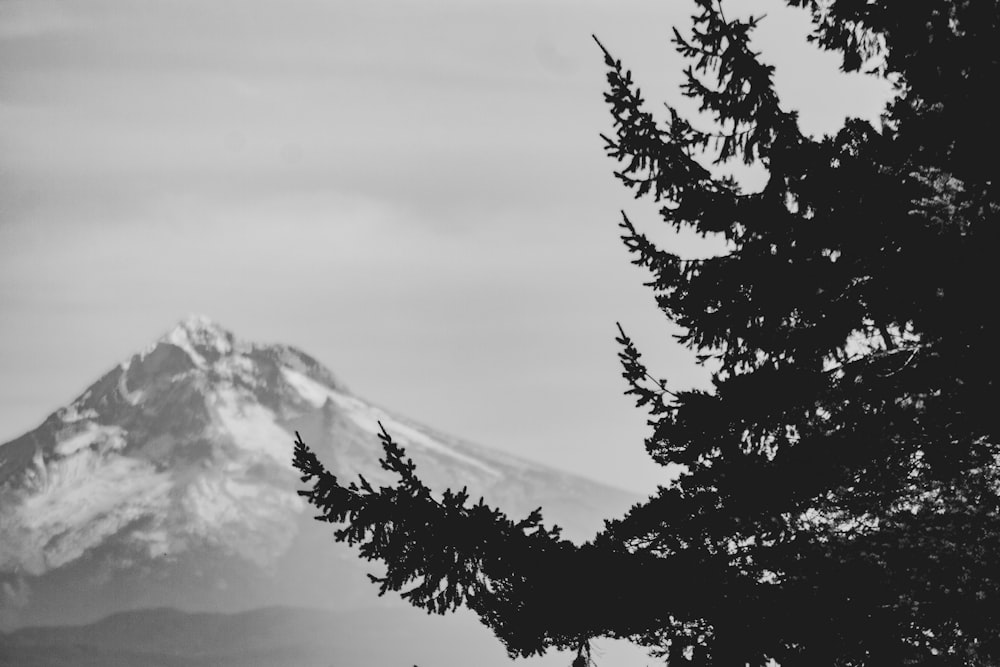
(707, 274)
(168, 484)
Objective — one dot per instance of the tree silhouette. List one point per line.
(839, 497)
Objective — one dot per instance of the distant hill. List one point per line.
(272, 637)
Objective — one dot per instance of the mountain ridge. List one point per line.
(279, 635)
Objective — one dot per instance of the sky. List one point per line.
(415, 193)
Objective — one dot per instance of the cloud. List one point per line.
(412, 190)
(25, 19)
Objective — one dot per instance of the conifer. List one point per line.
(839, 502)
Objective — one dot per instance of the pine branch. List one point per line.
(533, 589)
(636, 375)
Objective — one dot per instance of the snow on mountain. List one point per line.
(173, 473)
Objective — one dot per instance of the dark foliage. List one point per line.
(839, 501)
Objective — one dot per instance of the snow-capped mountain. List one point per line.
(169, 482)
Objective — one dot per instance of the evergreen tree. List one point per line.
(839, 501)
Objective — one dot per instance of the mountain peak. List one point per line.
(201, 337)
(198, 322)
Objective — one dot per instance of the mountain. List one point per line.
(168, 483)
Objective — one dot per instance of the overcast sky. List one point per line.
(413, 192)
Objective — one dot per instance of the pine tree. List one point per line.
(839, 501)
